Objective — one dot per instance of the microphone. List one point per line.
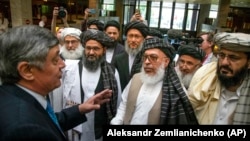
(198, 40)
(174, 34)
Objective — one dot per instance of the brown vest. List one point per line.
(154, 113)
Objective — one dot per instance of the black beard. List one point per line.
(92, 65)
(234, 80)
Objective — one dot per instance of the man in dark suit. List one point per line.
(136, 32)
(30, 68)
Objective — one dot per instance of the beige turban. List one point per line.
(233, 41)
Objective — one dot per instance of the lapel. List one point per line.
(32, 102)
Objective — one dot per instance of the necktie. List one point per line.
(52, 115)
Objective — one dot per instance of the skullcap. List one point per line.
(70, 31)
(144, 29)
(192, 51)
(161, 44)
(98, 36)
(98, 23)
(112, 23)
(233, 41)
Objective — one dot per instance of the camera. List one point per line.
(177, 38)
(61, 12)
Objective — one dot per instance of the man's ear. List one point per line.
(166, 63)
(25, 71)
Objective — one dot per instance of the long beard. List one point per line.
(132, 51)
(72, 54)
(92, 65)
(233, 80)
(184, 78)
(149, 79)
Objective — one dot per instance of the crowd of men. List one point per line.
(90, 79)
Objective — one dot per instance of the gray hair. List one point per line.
(29, 43)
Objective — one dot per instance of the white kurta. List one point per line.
(145, 101)
(71, 92)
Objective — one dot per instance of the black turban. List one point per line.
(112, 23)
(98, 36)
(161, 44)
(192, 51)
(98, 23)
(137, 25)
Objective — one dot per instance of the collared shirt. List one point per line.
(145, 101)
(109, 54)
(226, 106)
(131, 59)
(41, 99)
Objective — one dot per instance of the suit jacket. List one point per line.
(24, 119)
(122, 66)
(118, 49)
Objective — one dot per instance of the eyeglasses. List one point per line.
(152, 58)
(130, 36)
(95, 49)
(232, 58)
(71, 41)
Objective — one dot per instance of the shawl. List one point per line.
(175, 105)
(175, 108)
(205, 86)
(109, 82)
(242, 111)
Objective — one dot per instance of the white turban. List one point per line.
(70, 31)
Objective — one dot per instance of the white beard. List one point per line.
(72, 54)
(148, 79)
(185, 78)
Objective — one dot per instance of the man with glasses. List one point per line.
(135, 32)
(83, 78)
(189, 61)
(155, 95)
(72, 47)
(219, 91)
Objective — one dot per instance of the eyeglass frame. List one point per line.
(231, 58)
(95, 49)
(185, 63)
(153, 58)
(73, 42)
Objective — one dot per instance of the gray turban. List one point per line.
(192, 51)
(98, 36)
(161, 44)
(70, 31)
(144, 29)
(233, 41)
